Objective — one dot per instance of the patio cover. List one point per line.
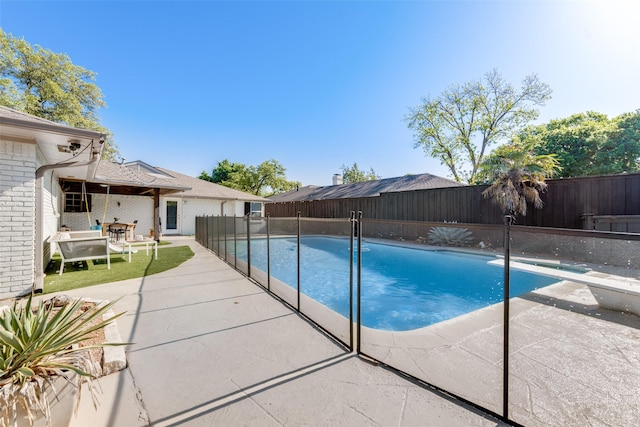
(124, 180)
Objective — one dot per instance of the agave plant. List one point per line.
(40, 345)
(450, 236)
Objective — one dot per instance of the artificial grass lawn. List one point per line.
(88, 273)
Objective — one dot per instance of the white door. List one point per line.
(172, 217)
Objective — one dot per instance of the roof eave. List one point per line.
(256, 199)
(51, 128)
(142, 185)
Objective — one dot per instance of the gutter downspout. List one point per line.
(38, 282)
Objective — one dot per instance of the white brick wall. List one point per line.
(141, 208)
(17, 217)
(130, 209)
(50, 209)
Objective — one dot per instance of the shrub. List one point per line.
(42, 344)
(448, 236)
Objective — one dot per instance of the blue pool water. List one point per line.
(402, 288)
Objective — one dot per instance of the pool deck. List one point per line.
(212, 348)
(572, 363)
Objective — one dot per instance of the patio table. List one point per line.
(129, 234)
(146, 243)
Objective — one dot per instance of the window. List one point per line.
(74, 202)
(253, 208)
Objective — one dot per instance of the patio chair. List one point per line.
(81, 246)
(117, 231)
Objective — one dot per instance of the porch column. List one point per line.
(156, 214)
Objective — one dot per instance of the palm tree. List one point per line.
(517, 176)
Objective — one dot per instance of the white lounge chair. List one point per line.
(81, 246)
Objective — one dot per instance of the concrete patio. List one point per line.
(212, 348)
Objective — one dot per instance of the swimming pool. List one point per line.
(402, 288)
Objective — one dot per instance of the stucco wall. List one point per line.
(17, 217)
(192, 208)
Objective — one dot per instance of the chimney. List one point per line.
(337, 179)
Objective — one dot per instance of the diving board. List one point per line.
(613, 292)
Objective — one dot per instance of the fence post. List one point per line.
(218, 234)
(359, 279)
(224, 226)
(268, 256)
(298, 305)
(505, 350)
(235, 242)
(212, 228)
(248, 245)
(206, 230)
(352, 221)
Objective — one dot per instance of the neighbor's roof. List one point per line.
(367, 188)
(298, 194)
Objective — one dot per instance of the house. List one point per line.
(34, 153)
(52, 175)
(125, 191)
(364, 189)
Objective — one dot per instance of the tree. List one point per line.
(458, 126)
(575, 140)
(223, 172)
(590, 144)
(517, 176)
(354, 174)
(266, 179)
(48, 85)
(621, 153)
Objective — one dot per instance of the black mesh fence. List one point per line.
(278, 268)
(326, 273)
(431, 305)
(574, 343)
(552, 339)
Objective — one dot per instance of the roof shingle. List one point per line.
(140, 174)
(200, 188)
(367, 188)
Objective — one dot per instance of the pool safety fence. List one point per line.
(563, 354)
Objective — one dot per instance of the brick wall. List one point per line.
(141, 208)
(17, 217)
(50, 210)
(131, 208)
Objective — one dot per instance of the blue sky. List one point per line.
(321, 84)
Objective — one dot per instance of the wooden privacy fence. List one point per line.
(569, 203)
